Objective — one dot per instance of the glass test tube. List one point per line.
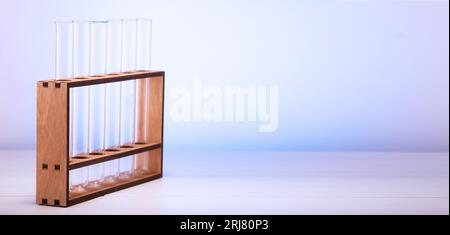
(64, 50)
(98, 32)
(79, 108)
(144, 40)
(112, 120)
(64, 67)
(143, 60)
(128, 97)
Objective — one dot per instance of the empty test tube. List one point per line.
(64, 50)
(80, 104)
(98, 36)
(128, 95)
(112, 97)
(143, 61)
(69, 58)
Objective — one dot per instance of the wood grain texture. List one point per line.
(52, 143)
(155, 109)
(87, 160)
(135, 180)
(155, 161)
(150, 123)
(142, 110)
(149, 162)
(108, 78)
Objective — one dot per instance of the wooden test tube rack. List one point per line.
(53, 160)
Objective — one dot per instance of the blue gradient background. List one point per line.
(352, 75)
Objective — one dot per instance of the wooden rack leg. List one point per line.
(52, 144)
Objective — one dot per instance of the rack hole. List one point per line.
(126, 146)
(57, 167)
(57, 85)
(56, 202)
(95, 153)
(98, 76)
(140, 143)
(80, 157)
(81, 78)
(45, 166)
(45, 84)
(44, 201)
(111, 150)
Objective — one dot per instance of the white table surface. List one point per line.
(257, 183)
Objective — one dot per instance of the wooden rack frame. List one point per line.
(53, 164)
